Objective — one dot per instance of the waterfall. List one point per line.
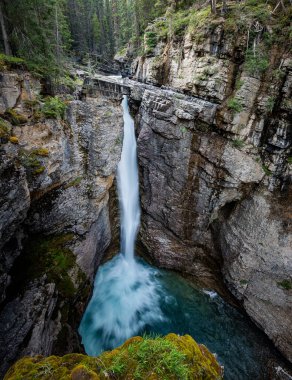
(125, 299)
(132, 298)
(128, 186)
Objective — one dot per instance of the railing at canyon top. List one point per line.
(110, 87)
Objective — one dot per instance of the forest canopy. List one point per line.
(47, 32)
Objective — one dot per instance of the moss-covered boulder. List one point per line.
(169, 358)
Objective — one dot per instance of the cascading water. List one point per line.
(131, 298)
(125, 298)
(128, 186)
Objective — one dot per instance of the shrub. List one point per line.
(9, 62)
(256, 64)
(267, 171)
(234, 105)
(285, 284)
(270, 104)
(181, 21)
(150, 41)
(238, 143)
(239, 83)
(54, 108)
(199, 19)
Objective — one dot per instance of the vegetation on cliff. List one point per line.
(51, 256)
(46, 33)
(171, 357)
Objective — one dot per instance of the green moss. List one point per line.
(14, 117)
(234, 105)
(43, 152)
(285, 284)
(28, 159)
(39, 170)
(33, 160)
(73, 183)
(289, 160)
(170, 358)
(51, 255)
(31, 103)
(5, 129)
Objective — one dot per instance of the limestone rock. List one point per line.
(206, 197)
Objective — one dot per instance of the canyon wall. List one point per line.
(215, 161)
(54, 213)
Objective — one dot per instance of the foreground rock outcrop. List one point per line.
(171, 357)
(58, 163)
(216, 167)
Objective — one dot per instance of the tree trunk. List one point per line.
(224, 6)
(213, 6)
(116, 22)
(4, 33)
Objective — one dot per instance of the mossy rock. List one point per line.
(43, 152)
(14, 140)
(33, 160)
(14, 117)
(51, 255)
(56, 261)
(39, 170)
(5, 129)
(170, 358)
(82, 373)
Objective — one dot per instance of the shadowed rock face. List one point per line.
(215, 183)
(54, 213)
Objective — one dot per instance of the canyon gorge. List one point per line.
(214, 139)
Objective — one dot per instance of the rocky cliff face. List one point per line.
(216, 168)
(54, 214)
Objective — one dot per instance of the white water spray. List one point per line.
(126, 296)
